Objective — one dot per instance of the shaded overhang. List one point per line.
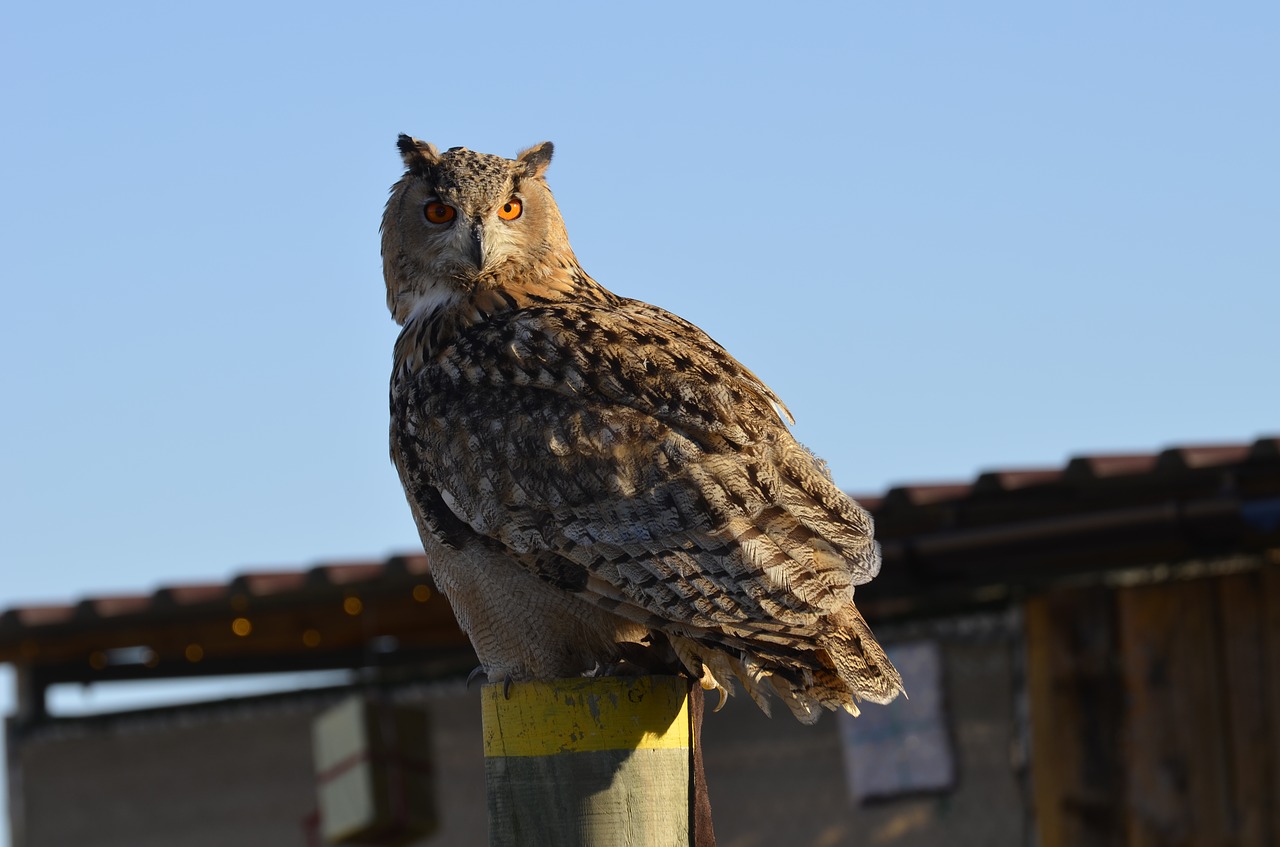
(947, 547)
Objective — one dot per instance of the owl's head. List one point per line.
(460, 221)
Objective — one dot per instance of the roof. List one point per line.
(944, 545)
(342, 614)
(1023, 529)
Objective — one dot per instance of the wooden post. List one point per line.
(595, 762)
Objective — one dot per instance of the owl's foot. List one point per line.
(622, 667)
(481, 672)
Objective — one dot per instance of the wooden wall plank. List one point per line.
(1051, 764)
(1270, 591)
(1074, 691)
(1244, 690)
(1177, 771)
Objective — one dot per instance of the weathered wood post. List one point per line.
(600, 762)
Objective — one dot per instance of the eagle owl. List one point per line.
(597, 483)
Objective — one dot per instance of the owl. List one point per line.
(599, 486)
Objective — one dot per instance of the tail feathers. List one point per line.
(845, 665)
(858, 659)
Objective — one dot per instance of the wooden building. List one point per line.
(1095, 652)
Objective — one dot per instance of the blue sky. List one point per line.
(951, 236)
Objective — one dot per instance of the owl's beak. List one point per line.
(475, 247)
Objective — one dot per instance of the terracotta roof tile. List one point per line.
(192, 594)
(113, 606)
(414, 563)
(267, 583)
(1012, 480)
(349, 573)
(48, 615)
(925, 494)
(1106, 465)
(1206, 456)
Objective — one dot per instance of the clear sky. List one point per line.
(951, 236)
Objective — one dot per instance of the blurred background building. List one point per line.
(1092, 653)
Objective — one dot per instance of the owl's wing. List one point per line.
(621, 453)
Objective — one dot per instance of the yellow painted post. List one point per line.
(601, 762)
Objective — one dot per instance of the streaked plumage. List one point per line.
(596, 480)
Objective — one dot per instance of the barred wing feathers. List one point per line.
(620, 453)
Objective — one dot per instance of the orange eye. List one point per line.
(439, 213)
(510, 210)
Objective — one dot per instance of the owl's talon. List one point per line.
(506, 687)
(475, 674)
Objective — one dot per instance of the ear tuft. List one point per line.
(536, 159)
(417, 155)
